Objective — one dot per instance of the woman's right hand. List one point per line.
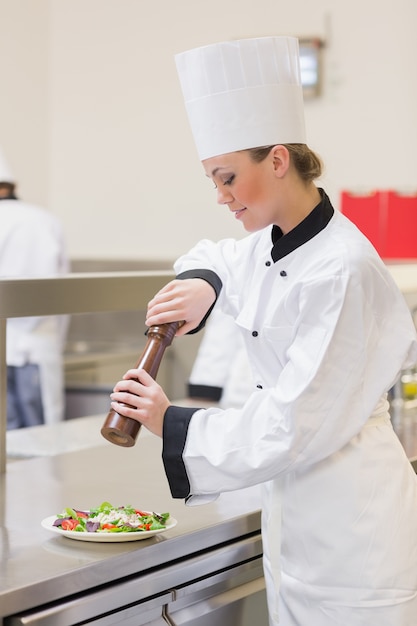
(139, 397)
(181, 300)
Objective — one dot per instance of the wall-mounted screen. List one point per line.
(310, 63)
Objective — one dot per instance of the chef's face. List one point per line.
(248, 188)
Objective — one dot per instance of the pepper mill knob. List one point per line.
(121, 430)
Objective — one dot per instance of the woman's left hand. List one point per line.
(139, 397)
(181, 300)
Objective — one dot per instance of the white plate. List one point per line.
(48, 524)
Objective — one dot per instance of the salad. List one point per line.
(109, 519)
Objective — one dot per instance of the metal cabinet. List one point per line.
(235, 597)
(108, 607)
(223, 585)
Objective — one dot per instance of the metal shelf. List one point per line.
(71, 294)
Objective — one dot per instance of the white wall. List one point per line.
(24, 106)
(100, 132)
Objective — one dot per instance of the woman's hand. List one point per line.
(181, 300)
(146, 399)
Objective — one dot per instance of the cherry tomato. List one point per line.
(69, 524)
(108, 526)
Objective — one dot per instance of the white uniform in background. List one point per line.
(32, 245)
(221, 370)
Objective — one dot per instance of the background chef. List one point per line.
(31, 245)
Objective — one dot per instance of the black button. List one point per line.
(254, 333)
(283, 273)
(268, 263)
(259, 386)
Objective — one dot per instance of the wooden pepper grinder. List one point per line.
(123, 431)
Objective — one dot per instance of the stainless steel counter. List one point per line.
(37, 567)
(67, 436)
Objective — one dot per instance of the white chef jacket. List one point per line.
(32, 246)
(328, 333)
(221, 370)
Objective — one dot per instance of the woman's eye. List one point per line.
(228, 181)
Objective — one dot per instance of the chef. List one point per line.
(327, 333)
(31, 246)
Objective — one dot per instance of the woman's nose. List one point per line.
(223, 196)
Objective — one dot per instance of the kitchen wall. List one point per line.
(24, 94)
(92, 118)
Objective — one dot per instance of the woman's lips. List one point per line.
(239, 212)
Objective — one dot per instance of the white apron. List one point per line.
(341, 540)
(40, 341)
(46, 349)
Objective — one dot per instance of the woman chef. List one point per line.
(327, 332)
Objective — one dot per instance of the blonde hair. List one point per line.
(307, 163)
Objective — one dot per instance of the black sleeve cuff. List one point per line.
(176, 421)
(206, 392)
(210, 277)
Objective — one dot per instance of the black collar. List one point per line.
(315, 221)
(11, 197)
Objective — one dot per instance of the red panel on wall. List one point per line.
(401, 226)
(387, 218)
(365, 211)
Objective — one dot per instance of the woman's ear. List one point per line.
(281, 159)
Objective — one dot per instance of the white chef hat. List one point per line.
(6, 175)
(243, 94)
